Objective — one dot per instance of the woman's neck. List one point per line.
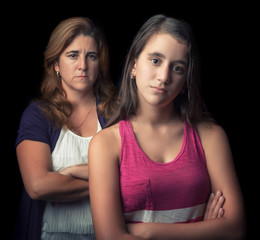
(81, 100)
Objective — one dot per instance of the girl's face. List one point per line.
(79, 65)
(161, 70)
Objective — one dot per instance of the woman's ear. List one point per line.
(56, 66)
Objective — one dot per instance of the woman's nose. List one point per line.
(83, 64)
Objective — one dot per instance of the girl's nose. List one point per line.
(164, 74)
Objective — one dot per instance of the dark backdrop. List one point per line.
(225, 37)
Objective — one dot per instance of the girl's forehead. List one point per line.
(163, 37)
(166, 44)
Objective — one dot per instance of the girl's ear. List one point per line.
(183, 88)
(133, 72)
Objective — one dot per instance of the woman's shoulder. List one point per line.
(35, 126)
(32, 114)
(34, 109)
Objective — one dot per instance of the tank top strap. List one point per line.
(194, 142)
(126, 132)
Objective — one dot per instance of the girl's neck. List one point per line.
(155, 116)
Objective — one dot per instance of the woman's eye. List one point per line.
(92, 56)
(72, 56)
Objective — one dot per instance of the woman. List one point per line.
(163, 155)
(55, 131)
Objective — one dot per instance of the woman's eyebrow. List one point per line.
(92, 52)
(77, 52)
(73, 51)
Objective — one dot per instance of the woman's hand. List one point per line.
(77, 171)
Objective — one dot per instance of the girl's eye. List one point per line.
(155, 61)
(177, 68)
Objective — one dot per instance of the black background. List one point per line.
(226, 37)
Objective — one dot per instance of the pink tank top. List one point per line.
(172, 192)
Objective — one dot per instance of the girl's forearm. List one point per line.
(215, 229)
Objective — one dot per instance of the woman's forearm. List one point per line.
(39, 179)
(56, 187)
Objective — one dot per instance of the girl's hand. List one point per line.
(214, 207)
(138, 229)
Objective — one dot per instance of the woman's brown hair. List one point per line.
(53, 100)
(189, 104)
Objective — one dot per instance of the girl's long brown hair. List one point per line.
(188, 105)
(53, 100)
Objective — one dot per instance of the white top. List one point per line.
(69, 220)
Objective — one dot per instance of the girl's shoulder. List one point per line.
(106, 144)
(209, 129)
(107, 137)
(211, 135)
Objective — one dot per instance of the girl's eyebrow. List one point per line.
(157, 54)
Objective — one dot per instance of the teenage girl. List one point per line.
(162, 155)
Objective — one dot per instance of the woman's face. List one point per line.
(161, 69)
(79, 65)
